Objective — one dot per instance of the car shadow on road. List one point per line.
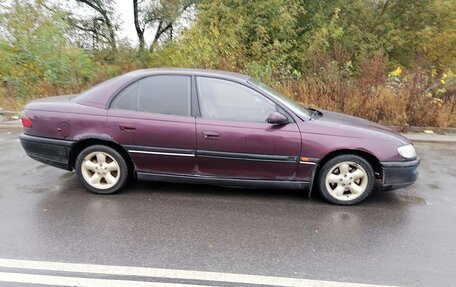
(389, 199)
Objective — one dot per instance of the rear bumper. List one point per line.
(49, 151)
(399, 174)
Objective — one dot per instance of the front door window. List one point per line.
(228, 101)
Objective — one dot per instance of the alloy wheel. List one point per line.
(346, 180)
(100, 170)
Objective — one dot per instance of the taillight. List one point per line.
(26, 122)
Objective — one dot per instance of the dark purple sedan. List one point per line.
(214, 127)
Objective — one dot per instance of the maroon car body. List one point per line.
(194, 148)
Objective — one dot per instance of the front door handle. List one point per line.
(127, 127)
(210, 135)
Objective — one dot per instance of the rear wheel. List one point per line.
(101, 169)
(346, 180)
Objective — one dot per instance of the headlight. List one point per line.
(407, 151)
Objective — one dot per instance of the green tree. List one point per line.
(34, 50)
(422, 32)
(257, 37)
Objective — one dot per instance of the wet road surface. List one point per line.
(404, 237)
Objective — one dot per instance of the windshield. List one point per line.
(296, 107)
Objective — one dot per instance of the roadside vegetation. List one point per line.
(389, 61)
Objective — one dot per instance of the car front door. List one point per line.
(153, 120)
(233, 138)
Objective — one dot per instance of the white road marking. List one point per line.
(174, 274)
(82, 282)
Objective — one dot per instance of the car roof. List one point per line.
(187, 71)
(100, 94)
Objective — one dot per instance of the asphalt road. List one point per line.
(404, 237)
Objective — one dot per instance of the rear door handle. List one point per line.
(127, 127)
(210, 135)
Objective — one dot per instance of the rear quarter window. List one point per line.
(127, 99)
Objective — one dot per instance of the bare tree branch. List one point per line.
(102, 8)
(139, 29)
(162, 14)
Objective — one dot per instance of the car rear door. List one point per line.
(157, 129)
(233, 138)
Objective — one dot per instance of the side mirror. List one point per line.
(276, 118)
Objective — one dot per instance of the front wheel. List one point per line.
(101, 169)
(346, 180)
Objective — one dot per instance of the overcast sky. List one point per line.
(124, 10)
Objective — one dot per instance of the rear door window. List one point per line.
(167, 94)
(163, 94)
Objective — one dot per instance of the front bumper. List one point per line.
(399, 174)
(46, 150)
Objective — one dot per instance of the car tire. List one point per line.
(346, 180)
(101, 169)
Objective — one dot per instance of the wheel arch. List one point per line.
(371, 159)
(84, 143)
